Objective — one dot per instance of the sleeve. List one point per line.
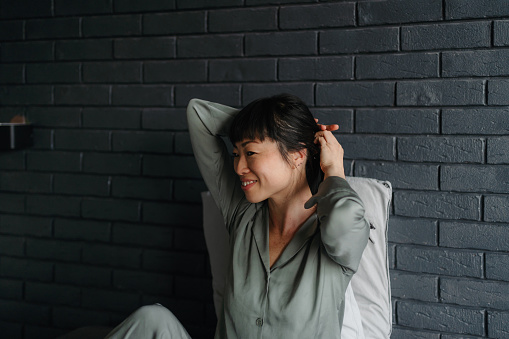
(208, 122)
(344, 230)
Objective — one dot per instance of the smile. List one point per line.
(246, 183)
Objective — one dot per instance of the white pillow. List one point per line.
(368, 311)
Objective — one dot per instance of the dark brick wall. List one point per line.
(102, 214)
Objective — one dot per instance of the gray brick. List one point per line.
(225, 94)
(43, 331)
(437, 205)
(53, 205)
(142, 188)
(149, 283)
(243, 70)
(172, 214)
(138, 95)
(397, 66)
(343, 117)
(475, 178)
(243, 20)
(210, 46)
(440, 261)
(174, 23)
(446, 36)
(496, 208)
(114, 256)
(144, 48)
(458, 9)
(440, 93)
(391, 252)
(12, 161)
(11, 289)
(189, 190)
(497, 153)
(476, 293)
(42, 139)
(281, 43)
(107, 26)
(79, 229)
(497, 92)
(53, 294)
(25, 8)
(143, 6)
(144, 235)
(359, 40)
(166, 119)
(501, 33)
(414, 286)
(12, 74)
(367, 147)
(12, 203)
(67, 317)
(110, 300)
(16, 311)
(109, 209)
(174, 262)
(26, 269)
(458, 336)
(11, 30)
(497, 266)
(323, 68)
(27, 51)
(82, 275)
(143, 142)
(82, 95)
(399, 11)
(175, 71)
(474, 235)
(181, 4)
(497, 324)
(192, 288)
(63, 7)
(25, 182)
(441, 149)
(441, 317)
(52, 28)
(189, 240)
(475, 63)
(11, 329)
(165, 166)
(183, 143)
(26, 95)
(105, 163)
(54, 116)
(54, 161)
(26, 225)
(73, 139)
(403, 333)
(396, 121)
(112, 118)
(252, 92)
(112, 72)
(413, 231)
(401, 175)
(11, 246)
(355, 94)
(491, 120)
(84, 49)
(81, 184)
(317, 15)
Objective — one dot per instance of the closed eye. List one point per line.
(235, 155)
(250, 153)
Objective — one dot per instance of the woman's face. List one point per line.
(263, 171)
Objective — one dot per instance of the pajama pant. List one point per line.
(154, 322)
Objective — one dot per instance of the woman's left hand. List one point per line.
(331, 152)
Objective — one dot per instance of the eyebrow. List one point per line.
(245, 143)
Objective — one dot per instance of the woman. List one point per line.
(297, 229)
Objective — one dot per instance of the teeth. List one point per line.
(245, 183)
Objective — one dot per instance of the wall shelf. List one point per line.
(15, 135)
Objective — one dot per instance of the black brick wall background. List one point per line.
(102, 214)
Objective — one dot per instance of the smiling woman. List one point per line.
(297, 229)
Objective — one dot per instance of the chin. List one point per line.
(254, 199)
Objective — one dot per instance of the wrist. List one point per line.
(334, 172)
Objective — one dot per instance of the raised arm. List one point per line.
(208, 122)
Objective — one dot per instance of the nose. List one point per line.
(240, 165)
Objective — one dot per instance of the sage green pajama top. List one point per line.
(302, 294)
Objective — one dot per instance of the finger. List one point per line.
(316, 120)
(333, 127)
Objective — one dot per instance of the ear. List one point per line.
(299, 157)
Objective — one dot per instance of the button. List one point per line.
(259, 322)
